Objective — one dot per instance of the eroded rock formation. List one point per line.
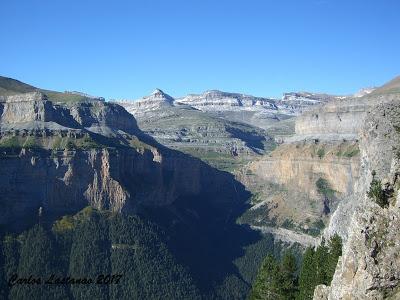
(370, 264)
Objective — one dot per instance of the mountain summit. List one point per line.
(158, 95)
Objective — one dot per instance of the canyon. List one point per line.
(62, 155)
(225, 168)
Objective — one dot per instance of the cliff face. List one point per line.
(299, 185)
(311, 174)
(301, 165)
(64, 156)
(221, 143)
(370, 264)
(341, 117)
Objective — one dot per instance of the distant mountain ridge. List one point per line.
(219, 101)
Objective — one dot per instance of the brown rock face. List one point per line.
(62, 157)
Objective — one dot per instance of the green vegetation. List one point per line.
(38, 259)
(321, 153)
(257, 216)
(9, 86)
(284, 280)
(349, 151)
(30, 143)
(87, 245)
(376, 193)
(315, 228)
(288, 224)
(276, 280)
(324, 188)
(222, 161)
(63, 97)
(13, 144)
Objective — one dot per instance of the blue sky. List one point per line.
(125, 49)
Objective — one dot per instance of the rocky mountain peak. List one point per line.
(158, 92)
(158, 95)
(364, 92)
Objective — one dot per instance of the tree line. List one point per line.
(286, 279)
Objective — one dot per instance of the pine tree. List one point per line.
(90, 257)
(38, 260)
(3, 281)
(11, 251)
(307, 278)
(267, 283)
(288, 280)
(321, 264)
(335, 251)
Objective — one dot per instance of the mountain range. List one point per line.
(217, 181)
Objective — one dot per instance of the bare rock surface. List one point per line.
(62, 156)
(369, 267)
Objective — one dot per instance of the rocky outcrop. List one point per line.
(369, 267)
(217, 100)
(158, 99)
(223, 144)
(341, 117)
(300, 184)
(257, 111)
(324, 146)
(323, 150)
(62, 157)
(30, 110)
(298, 102)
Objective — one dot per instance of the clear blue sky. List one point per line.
(125, 49)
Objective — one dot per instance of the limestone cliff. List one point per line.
(338, 118)
(324, 149)
(370, 264)
(308, 176)
(62, 156)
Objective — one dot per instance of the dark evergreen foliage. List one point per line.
(288, 270)
(37, 259)
(281, 280)
(377, 193)
(149, 270)
(89, 245)
(3, 282)
(307, 275)
(90, 257)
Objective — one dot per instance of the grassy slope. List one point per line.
(9, 86)
(391, 87)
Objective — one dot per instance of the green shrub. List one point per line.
(321, 153)
(351, 153)
(376, 193)
(324, 188)
(70, 145)
(288, 224)
(11, 142)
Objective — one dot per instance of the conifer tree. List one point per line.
(335, 251)
(3, 282)
(288, 284)
(267, 283)
(307, 278)
(38, 260)
(90, 257)
(321, 264)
